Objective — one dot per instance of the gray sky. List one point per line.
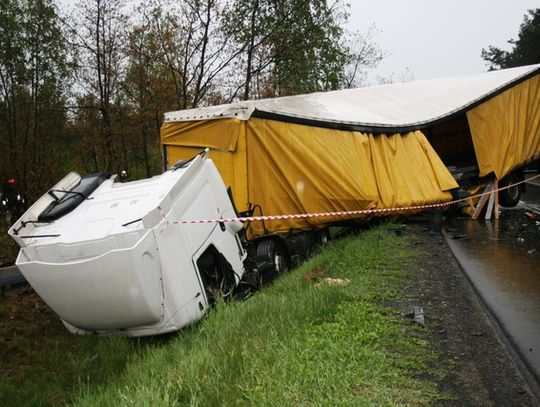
(437, 38)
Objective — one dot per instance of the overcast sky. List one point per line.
(437, 38)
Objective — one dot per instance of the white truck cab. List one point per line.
(111, 256)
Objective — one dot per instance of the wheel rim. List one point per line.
(280, 263)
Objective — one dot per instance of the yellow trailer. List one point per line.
(360, 148)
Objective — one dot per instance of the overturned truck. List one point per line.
(150, 256)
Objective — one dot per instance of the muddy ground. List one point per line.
(480, 370)
(8, 248)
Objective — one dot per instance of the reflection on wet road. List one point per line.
(502, 260)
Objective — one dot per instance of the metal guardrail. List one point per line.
(11, 276)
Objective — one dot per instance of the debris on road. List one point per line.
(416, 314)
(531, 215)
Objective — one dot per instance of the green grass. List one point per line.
(290, 344)
(50, 372)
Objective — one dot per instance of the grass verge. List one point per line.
(292, 343)
(41, 363)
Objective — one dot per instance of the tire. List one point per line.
(278, 255)
(510, 197)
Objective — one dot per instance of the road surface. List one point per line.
(502, 261)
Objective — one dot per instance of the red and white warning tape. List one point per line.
(373, 211)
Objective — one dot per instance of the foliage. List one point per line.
(525, 50)
(31, 92)
(291, 47)
(308, 53)
(84, 87)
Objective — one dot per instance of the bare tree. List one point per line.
(194, 48)
(146, 95)
(98, 35)
(364, 55)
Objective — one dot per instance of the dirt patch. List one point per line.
(480, 370)
(24, 321)
(8, 248)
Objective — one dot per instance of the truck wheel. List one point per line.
(510, 197)
(278, 255)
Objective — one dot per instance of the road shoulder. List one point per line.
(480, 371)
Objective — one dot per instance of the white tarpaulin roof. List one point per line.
(395, 106)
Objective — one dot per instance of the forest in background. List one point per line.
(83, 86)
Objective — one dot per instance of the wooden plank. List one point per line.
(481, 203)
(497, 211)
(491, 203)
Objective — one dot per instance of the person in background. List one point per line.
(11, 201)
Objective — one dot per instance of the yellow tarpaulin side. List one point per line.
(221, 135)
(295, 168)
(408, 171)
(289, 168)
(506, 129)
(227, 140)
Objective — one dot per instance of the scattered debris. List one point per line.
(397, 231)
(441, 331)
(458, 237)
(479, 333)
(520, 239)
(333, 281)
(416, 314)
(316, 273)
(531, 251)
(531, 215)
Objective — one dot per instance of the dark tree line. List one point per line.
(85, 87)
(32, 91)
(525, 50)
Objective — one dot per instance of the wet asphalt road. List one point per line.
(502, 260)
